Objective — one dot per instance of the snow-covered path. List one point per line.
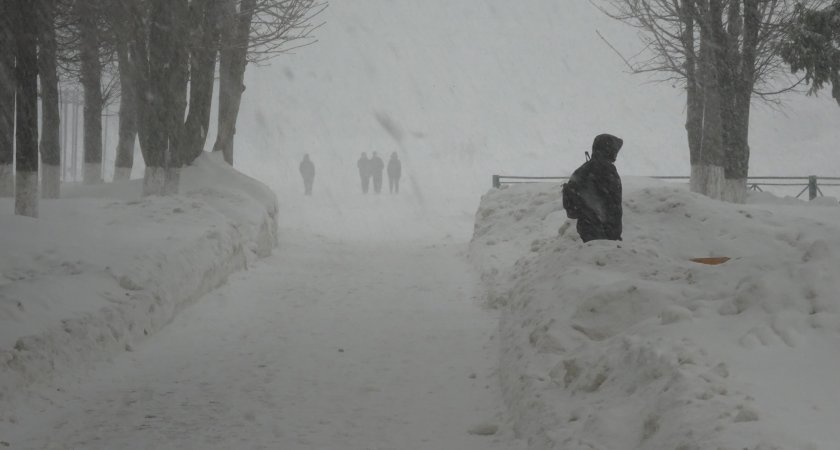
(326, 345)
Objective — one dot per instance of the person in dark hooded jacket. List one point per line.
(376, 168)
(307, 171)
(593, 193)
(364, 172)
(394, 173)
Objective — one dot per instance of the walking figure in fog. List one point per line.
(593, 193)
(376, 168)
(307, 171)
(364, 172)
(394, 173)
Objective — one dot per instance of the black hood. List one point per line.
(606, 146)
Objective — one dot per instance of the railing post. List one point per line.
(812, 187)
(496, 183)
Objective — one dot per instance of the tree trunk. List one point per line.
(708, 176)
(26, 135)
(233, 60)
(91, 78)
(8, 48)
(177, 81)
(151, 129)
(139, 77)
(743, 82)
(694, 128)
(128, 115)
(728, 71)
(205, 16)
(144, 29)
(165, 98)
(51, 126)
(738, 149)
(694, 98)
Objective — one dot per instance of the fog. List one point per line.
(463, 90)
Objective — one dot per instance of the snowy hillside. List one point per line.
(475, 87)
(630, 345)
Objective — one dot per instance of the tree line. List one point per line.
(161, 58)
(726, 54)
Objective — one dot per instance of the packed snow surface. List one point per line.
(104, 267)
(630, 345)
(362, 331)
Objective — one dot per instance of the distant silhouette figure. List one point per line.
(364, 172)
(593, 193)
(307, 171)
(394, 173)
(376, 168)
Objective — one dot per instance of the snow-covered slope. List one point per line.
(105, 267)
(463, 89)
(630, 345)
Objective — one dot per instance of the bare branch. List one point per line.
(629, 66)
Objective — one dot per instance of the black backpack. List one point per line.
(571, 199)
(571, 196)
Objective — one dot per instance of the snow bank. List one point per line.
(630, 345)
(104, 267)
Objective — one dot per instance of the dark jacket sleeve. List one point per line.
(614, 212)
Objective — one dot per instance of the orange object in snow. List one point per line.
(711, 261)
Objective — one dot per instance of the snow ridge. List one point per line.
(630, 345)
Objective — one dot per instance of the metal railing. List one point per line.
(811, 184)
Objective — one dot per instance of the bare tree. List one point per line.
(50, 147)
(138, 13)
(259, 29)
(121, 83)
(708, 177)
(170, 70)
(8, 49)
(128, 116)
(25, 23)
(154, 77)
(156, 74)
(723, 53)
(159, 72)
(205, 24)
(88, 13)
(740, 42)
(237, 17)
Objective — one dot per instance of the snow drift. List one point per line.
(630, 345)
(105, 267)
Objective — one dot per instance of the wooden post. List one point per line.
(812, 187)
(496, 183)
